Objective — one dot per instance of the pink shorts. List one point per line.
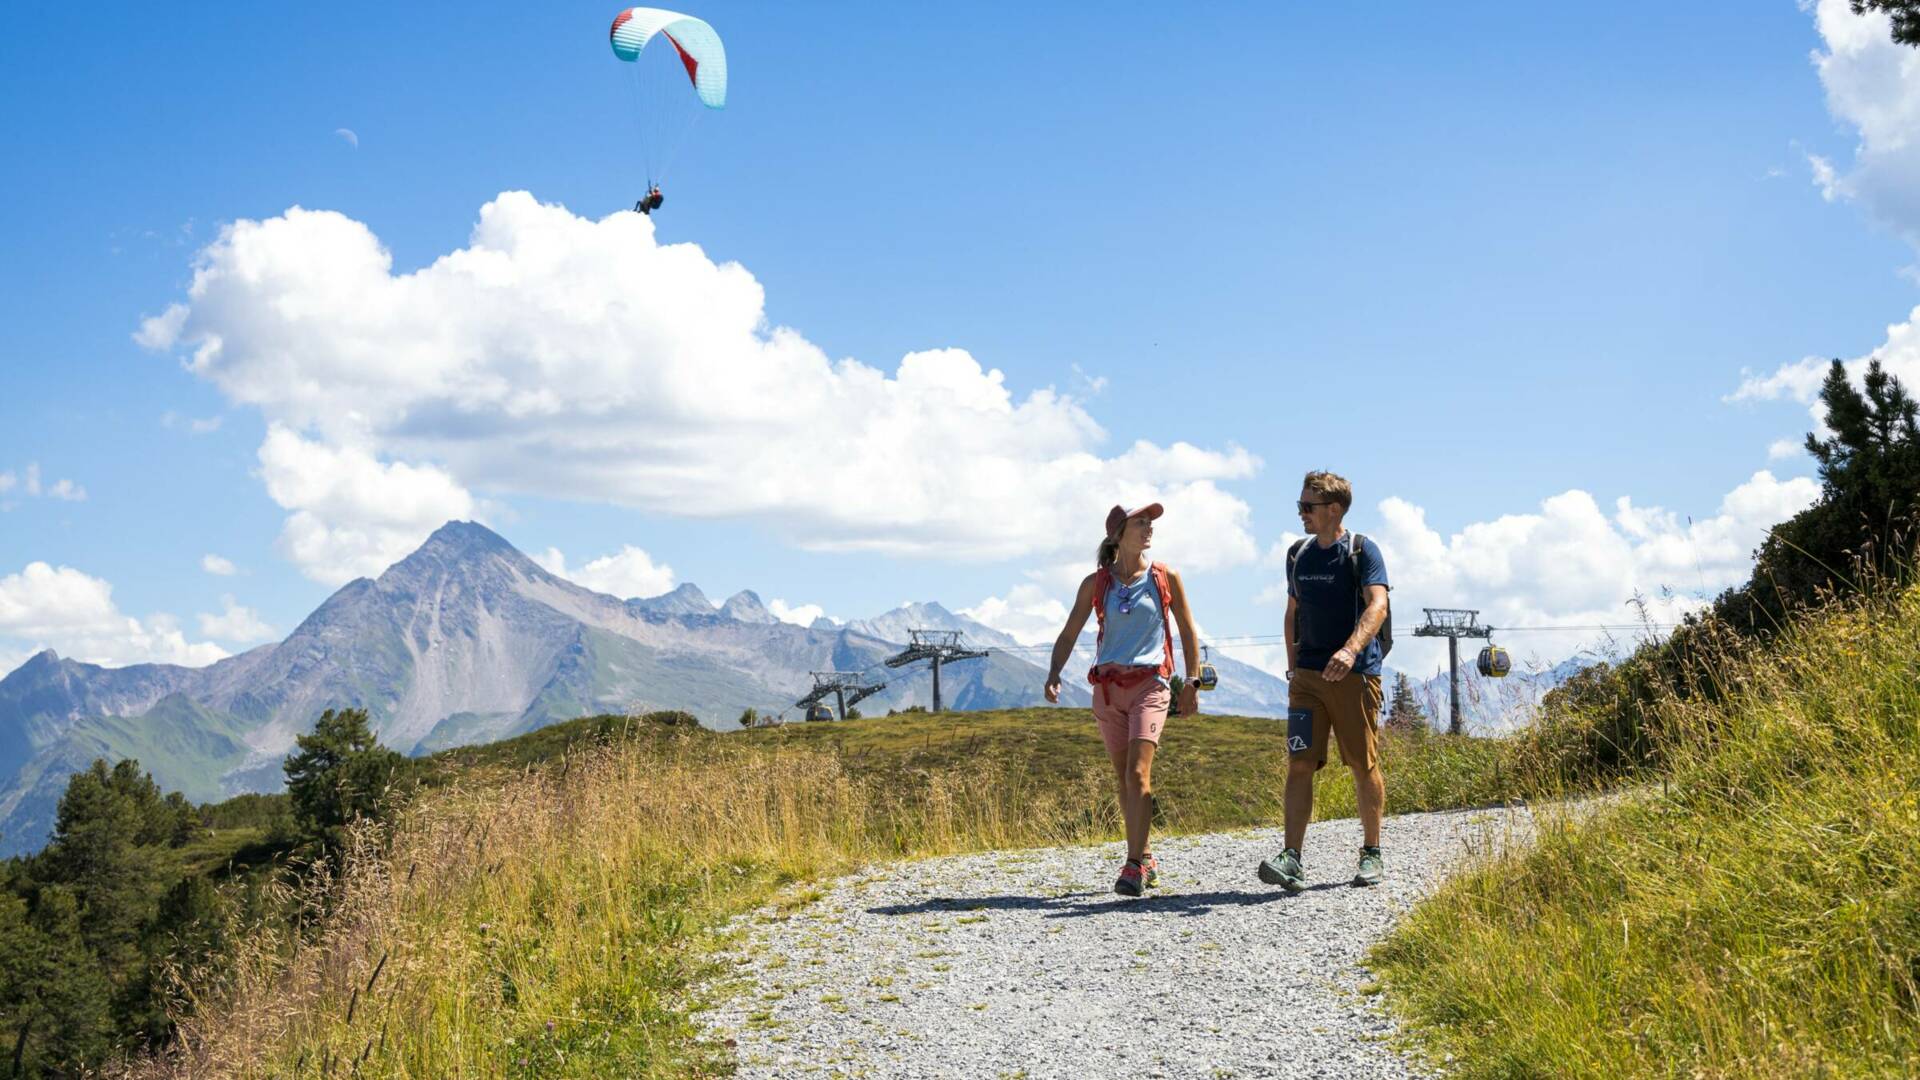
(1133, 712)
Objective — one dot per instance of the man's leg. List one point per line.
(1370, 796)
(1299, 799)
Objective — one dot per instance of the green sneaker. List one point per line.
(1285, 871)
(1371, 868)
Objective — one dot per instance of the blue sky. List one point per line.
(1475, 257)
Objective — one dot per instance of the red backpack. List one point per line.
(1102, 583)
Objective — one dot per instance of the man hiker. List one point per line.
(1336, 608)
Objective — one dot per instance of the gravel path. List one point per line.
(1025, 964)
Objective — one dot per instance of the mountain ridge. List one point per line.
(466, 639)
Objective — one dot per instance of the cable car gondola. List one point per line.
(1208, 677)
(1495, 662)
(819, 711)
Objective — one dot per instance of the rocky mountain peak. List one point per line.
(745, 606)
(685, 600)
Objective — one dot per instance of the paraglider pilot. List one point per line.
(650, 201)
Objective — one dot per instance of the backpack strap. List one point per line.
(1353, 567)
(1293, 556)
(1160, 578)
(1102, 584)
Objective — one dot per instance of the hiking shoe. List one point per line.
(1285, 871)
(1132, 880)
(1150, 869)
(1371, 868)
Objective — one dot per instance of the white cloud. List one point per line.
(1572, 563)
(173, 421)
(61, 608)
(218, 565)
(1032, 614)
(628, 573)
(1873, 86)
(582, 359)
(236, 624)
(354, 516)
(30, 484)
(799, 615)
(1800, 381)
(1094, 383)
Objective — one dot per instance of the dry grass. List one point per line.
(554, 926)
(557, 921)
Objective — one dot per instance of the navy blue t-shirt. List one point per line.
(1322, 583)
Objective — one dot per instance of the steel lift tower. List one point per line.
(1453, 624)
(939, 646)
(847, 687)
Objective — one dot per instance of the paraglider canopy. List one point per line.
(693, 41)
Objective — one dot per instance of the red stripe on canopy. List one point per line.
(619, 21)
(686, 58)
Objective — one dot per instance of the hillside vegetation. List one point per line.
(554, 919)
(1756, 913)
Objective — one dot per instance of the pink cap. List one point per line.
(1118, 516)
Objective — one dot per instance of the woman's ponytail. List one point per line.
(1109, 548)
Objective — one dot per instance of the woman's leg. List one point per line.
(1138, 780)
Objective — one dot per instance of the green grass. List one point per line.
(1211, 772)
(1754, 912)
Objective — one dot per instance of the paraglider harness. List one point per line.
(1126, 677)
(650, 201)
(1385, 634)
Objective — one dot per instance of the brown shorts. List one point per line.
(1349, 708)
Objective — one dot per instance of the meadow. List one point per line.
(551, 908)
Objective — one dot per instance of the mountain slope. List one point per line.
(465, 640)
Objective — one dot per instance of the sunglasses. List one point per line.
(1307, 507)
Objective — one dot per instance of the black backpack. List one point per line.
(1385, 634)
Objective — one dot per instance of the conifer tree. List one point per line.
(1403, 711)
(342, 774)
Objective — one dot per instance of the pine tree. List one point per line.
(342, 774)
(1404, 712)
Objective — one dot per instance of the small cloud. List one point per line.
(353, 140)
(218, 566)
(630, 572)
(29, 482)
(175, 421)
(1094, 383)
(236, 624)
(798, 614)
(1782, 449)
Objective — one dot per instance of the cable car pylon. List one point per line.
(939, 646)
(1453, 624)
(848, 688)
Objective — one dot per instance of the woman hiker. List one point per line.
(1132, 665)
